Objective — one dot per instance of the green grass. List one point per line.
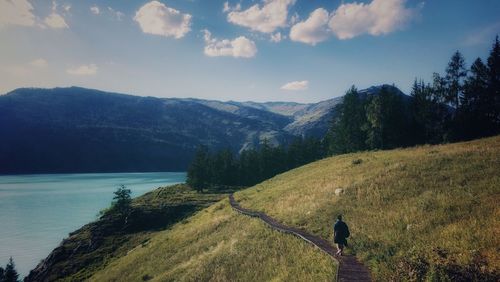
(96, 244)
(218, 244)
(429, 212)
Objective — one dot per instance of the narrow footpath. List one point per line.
(350, 269)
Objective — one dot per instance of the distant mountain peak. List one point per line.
(76, 129)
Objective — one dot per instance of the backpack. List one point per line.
(347, 233)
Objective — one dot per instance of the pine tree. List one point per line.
(442, 111)
(346, 134)
(122, 201)
(472, 115)
(266, 160)
(224, 168)
(295, 155)
(199, 171)
(494, 86)
(386, 122)
(10, 274)
(374, 126)
(2, 274)
(426, 111)
(248, 168)
(475, 86)
(455, 75)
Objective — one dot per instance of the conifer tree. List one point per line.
(455, 75)
(248, 167)
(374, 126)
(426, 114)
(475, 105)
(10, 273)
(223, 168)
(122, 201)
(385, 120)
(2, 274)
(493, 92)
(475, 86)
(199, 171)
(346, 134)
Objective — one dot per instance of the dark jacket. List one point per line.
(341, 231)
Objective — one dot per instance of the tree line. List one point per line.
(461, 104)
(225, 168)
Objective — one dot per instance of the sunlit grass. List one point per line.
(219, 244)
(414, 213)
(425, 213)
(161, 208)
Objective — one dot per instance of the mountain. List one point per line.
(84, 130)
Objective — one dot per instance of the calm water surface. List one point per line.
(38, 211)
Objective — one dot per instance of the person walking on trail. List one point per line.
(340, 234)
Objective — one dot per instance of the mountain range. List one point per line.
(84, 130)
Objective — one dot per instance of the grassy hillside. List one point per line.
(96, 244)
(429, 212)
(218, 244)
(426, 212)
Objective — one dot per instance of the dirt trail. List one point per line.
(350, 269)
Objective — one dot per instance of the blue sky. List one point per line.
(267, 50)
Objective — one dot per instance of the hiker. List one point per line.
(340, 233)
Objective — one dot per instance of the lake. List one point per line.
(38, 211)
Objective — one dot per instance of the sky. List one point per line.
(242, 50)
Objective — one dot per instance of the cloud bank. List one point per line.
(83, 70)
(296, 85)
(158, 19)
(18, 12)
(266, 18)
(377, 18)
(240, 47)
(313, 30)
(350, 20)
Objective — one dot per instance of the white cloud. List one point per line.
(226, 8)
(83, 70)
(39, 63)
(156, 18)
(95, 10)
(240, 47)
(55, 20)
(67, 7)
(484, 35)
(313, 30)
(277, 37)
(267, 18)
(296, 85)
(18, 12)
(377, 18)
(295, 18)
(117, 14)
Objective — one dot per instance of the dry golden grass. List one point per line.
(426, 213)
(218, 244)
(418, 213)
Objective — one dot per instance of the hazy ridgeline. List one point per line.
(461, 105)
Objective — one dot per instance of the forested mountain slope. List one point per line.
(84, 130)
